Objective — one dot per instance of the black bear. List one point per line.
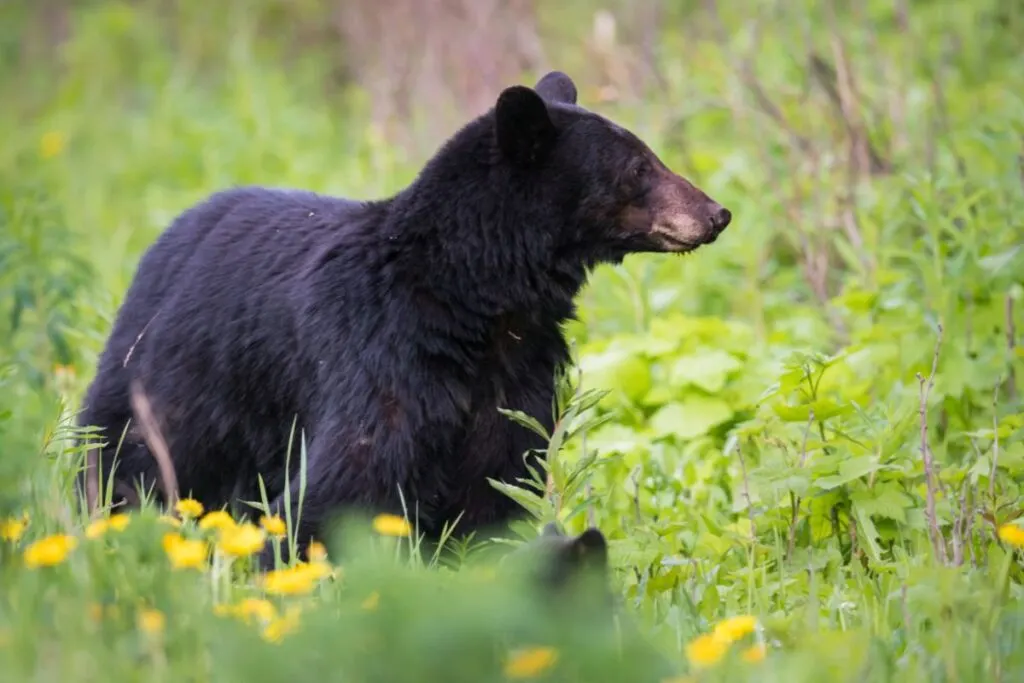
(554, 560)
(388, 332)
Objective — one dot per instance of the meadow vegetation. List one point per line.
(805, 442)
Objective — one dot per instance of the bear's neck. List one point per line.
(475, 251)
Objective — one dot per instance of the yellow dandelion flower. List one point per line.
(371, 602)
(318, 570)
(169, 520)
(257, 608)
(755, 653)
(705, 650)
(734, 628)
(530, 662)
(63, 375)
(241, 540)
(95, 611)
(12, 529)
(1012, 534)
(274, 525)
(151, 621)
(218, 519)
(316, 552)
(49, 551)
(51, 144)
(185, 553)
(484, 574)
(281, 626)
(188, 507)
(391, 525)
(296, 580)
(96, 528)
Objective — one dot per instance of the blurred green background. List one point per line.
(816, 421)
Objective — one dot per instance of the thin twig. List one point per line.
(795, 501)
(1011, 344)
(588, 489)
(635, 477)
(855, 550)
(157, 445)
(926, 385)
(995, 447)
(905, 608)
(746, 493)
(959, 525)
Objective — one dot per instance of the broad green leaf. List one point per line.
(707, 370)
(867, 534)
(617, 370)
(849, 469)
(615, 438)
(889, 502)
(996, 262)
(823, 410)
(692, 417)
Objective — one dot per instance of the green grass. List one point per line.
(771, 399)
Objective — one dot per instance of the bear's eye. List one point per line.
(641, 170)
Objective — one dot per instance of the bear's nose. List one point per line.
(720, 219)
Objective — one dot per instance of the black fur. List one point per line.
(555, 560)
(390, 330)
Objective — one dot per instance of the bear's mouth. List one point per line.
(672, 244)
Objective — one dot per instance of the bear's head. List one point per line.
(555, 560)
(612, 195)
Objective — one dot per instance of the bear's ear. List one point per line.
(589, 549)
(524, 129)
(557, 87)
(592, 542)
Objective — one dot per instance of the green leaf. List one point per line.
(997, 262)
(707, 370)
(889, 502)
(617, 369)
(529, 500)
(616, 438)
(849, 469)
(524, 420)
(692, 417)
(823, 409)
(867, 534)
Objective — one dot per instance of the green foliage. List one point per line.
(816, 420)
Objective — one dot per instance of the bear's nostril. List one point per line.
(721, 219)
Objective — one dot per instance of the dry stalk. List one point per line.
(92, 480)
(995, 448)
(960, 534)
(156, 443)
(938, 543)
(1011, 345)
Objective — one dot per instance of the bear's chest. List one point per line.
(521, 351)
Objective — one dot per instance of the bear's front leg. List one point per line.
(363, 474)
